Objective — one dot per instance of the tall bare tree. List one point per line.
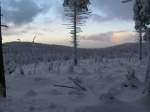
(2, 74)
(77, 11)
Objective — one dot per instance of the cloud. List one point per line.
(123, 37)
(114, 9)
(98, 37)
(113, 37)
(99, 18)
(20, 12)
(25, 16)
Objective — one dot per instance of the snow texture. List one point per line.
(111, 85)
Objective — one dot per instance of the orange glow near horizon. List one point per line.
(120, 37)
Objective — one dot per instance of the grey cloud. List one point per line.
(24, 11)
(114, 9)
(99, 37)
(20, 12)
(99, 18)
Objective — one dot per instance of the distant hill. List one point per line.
(26, 52)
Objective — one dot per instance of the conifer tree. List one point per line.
(77, 12)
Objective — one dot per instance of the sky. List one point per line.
(110, 23)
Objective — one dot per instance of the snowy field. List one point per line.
(95, 85)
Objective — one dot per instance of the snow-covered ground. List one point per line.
(41, 78)
(107, 85)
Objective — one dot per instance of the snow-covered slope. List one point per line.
(97, 84)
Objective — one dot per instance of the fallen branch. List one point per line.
(63, 86)
(77, 83)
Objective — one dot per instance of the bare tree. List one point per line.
(147, 77)
(2, 74)
(35, 36)
(77, 11)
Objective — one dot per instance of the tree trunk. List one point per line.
(75, 36)
(2, 75)
(147, 77)
(140, 45)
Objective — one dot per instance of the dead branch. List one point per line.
(64, 86)
(77, 83)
